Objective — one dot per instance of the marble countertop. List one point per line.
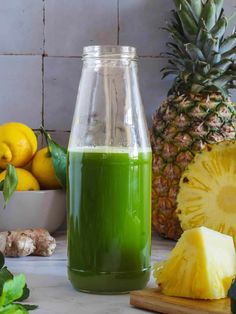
(51, 290)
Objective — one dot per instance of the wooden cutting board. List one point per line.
(153, 300)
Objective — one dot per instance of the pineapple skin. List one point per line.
(201, 266)
(182, 127)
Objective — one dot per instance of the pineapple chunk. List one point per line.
(207, 190)
(201, 266)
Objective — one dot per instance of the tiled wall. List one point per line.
(41, 43)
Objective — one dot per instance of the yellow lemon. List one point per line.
(42, 169)
(18, 144)
(26, 181)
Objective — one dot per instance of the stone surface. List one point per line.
(51, 290)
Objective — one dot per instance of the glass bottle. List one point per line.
(109, 176)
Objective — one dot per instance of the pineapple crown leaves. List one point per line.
(200, 57)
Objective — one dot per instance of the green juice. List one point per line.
(109, 220)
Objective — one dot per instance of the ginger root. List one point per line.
(27, 242)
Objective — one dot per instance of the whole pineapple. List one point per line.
(198, 110)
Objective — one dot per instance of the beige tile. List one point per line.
(61, 84)
(153, 89)
(21, 26)
(73, 24)
(140, 23)
(21, 89)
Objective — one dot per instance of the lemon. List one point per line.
(18, 144)
(42, 169)
(26, 181)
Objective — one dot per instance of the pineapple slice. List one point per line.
(202, 266)
(207, 190)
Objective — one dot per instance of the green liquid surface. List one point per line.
(109, 220)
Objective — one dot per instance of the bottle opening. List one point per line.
(113, 52)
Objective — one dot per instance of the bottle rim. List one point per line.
(109, 52)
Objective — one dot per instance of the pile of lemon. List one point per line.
(18, 147)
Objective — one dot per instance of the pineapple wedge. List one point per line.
(201, 266)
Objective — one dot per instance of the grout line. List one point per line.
(68, 57)
(118, 22)
(44, 20)
(43, 109)
(20, 54)
(53, 130)
(43, 91)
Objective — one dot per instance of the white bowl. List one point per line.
(33, 209)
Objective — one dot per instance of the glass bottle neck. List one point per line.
(110, 52)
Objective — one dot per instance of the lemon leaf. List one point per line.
(59, 158)
(9, 184)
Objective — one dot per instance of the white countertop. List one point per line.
(52, 292)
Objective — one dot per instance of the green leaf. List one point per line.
(218, 30)
(25, 294)
(190, 28)
(13, 309)
(2, 260)
(5, 275)
(183, 5)
(219, 6)
(167, 73)
(228, 44)
(175, 35)
(209, 14)
(229, 54)
(196, 88)
(196, 7)
(59, 158)
(211, 49)
(29, 307)
(232, 296)
(12, 289)
(177, 50)
(216, 58)
(194, 52)
(223, 80)
(202, 37)
(222, 90)
(222, 66)
(10, 183)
